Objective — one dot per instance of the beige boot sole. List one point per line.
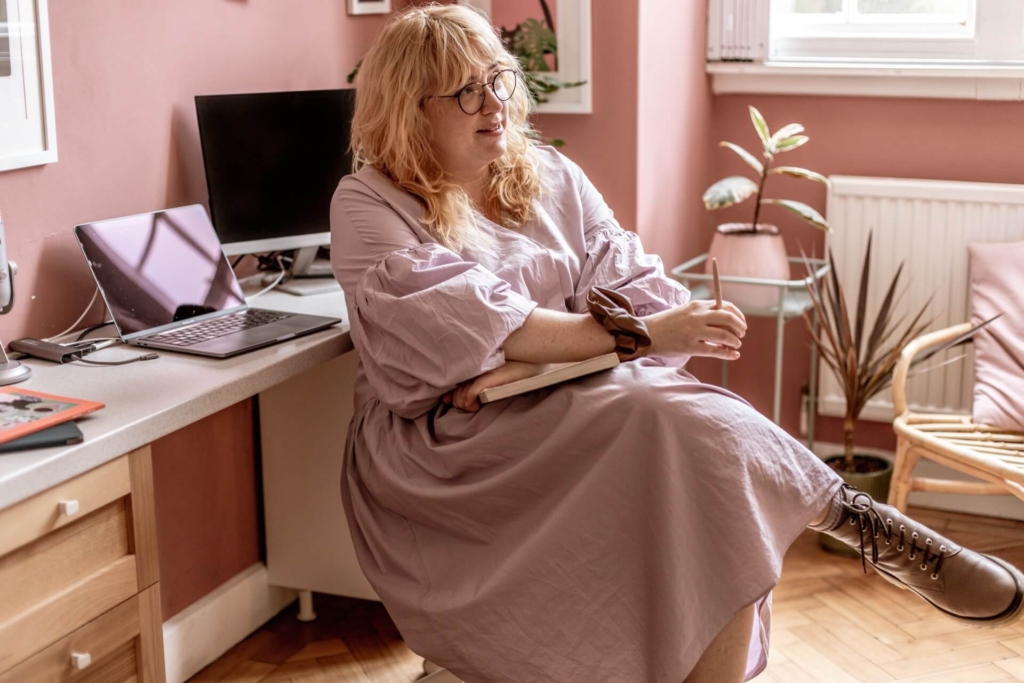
(1012, 614)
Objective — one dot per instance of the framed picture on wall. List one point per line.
(369, 6)
(28, 133)
(551, 39)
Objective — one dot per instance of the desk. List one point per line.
(146, 401)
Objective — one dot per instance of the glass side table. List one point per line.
(793, 301)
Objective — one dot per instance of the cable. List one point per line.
(275, 283)
(145, 356)
(237, 261)
(93, 328)
(86, 311)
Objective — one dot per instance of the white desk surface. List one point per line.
(148, 400)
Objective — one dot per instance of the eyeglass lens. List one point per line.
(471, 98)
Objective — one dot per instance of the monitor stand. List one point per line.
(309, 276)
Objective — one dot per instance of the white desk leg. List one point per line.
(306, 612)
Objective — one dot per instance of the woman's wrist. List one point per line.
(654, 323)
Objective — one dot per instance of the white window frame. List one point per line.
(983, 62)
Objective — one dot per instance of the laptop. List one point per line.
(168, 285)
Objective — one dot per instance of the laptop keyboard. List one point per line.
(218, 327)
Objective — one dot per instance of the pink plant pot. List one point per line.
(741, 253)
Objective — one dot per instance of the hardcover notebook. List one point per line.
(63, 434)
(24, 412)
(562, 373)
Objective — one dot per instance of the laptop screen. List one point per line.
(161, 268)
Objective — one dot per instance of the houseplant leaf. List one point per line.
(790, 144)
(729, 191)
(802, 210)
(801, 173)
(534, 40)
(762, 129)
(787, 131)
(746, 156)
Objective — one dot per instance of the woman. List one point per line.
(628, 526)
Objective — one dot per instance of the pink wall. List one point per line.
(125, 74)
(604, 143)
(902, 138)
(674, 127)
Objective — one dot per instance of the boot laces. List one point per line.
(863, 513)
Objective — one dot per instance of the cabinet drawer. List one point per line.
(64, 504)
(73, 553)
(109, 649)
(64, 580)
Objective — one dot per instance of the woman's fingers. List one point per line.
(713, 351)
(722, 337)
(465, 397)
(729, 320)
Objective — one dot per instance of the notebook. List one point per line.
(562, 373)
(63, 434)
(24, 412)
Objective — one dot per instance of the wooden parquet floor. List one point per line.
(831, 624)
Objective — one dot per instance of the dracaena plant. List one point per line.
(738, 189)
(863, 360)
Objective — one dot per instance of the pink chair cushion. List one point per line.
(997, 286)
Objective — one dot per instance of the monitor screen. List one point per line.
(273, 161)
(155, 269)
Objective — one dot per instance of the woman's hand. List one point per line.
(697, 328)
(465, 395)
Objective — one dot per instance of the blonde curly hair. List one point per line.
(426, 51)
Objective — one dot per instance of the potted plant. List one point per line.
(756, 249)
(862, 361)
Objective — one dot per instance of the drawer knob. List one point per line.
(69, 508)
(80, 660)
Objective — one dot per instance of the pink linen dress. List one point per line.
(601, 530)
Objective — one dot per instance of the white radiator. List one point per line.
(737, 30)
(927, 224)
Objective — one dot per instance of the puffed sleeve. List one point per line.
(423, 318)
(615, 259)
(427, 321)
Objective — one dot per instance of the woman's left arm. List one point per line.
(615, 258)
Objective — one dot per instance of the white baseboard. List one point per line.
(1005, 507)
(217, 622)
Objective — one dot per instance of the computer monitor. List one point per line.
(273, 161)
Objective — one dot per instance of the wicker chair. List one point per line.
(993, 455)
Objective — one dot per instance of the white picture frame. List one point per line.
(28, 132)
(573, 31)
(357, 7)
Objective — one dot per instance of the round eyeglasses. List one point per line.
(471, 98)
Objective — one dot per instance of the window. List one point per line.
(979, 31)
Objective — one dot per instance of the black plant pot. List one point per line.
(875, 484)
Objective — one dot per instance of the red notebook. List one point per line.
(24, 412)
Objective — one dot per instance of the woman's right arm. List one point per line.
(696, 329)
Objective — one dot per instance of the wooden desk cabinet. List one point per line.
(79, 589)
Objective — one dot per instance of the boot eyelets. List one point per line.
(903, 527)
(852, 521)
(888, 542)
(935, 577)
(913, 535)
(927, 541)
(942, 548)
(911, 556)
(900, 547)
(924, 567)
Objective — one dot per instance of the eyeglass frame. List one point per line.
(457, 96)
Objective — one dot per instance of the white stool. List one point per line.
(435, 674)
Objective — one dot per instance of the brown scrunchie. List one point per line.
(614, 310)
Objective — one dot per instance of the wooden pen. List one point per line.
(717, 283)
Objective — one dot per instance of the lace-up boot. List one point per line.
(968, 586)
